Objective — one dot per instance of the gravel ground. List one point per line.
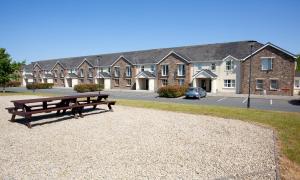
(134, 143)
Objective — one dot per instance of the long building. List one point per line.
(220, 67)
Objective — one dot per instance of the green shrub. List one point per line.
(39, 86)
(172, 91)
(13, 84)
(87, 87)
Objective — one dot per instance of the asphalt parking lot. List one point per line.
(291, 105)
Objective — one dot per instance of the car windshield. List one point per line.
(192, 89)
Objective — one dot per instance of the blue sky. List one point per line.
(36, 30)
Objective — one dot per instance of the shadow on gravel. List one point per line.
(295, 102)
(58, 118)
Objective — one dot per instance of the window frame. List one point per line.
(297, 87)
(270, 66)
(262, 84)
(117, 73)
(152, 68)
(164, 82)
(230, 82)
(213, 65)
(81, 73)
(164, 70)
(90, 73)
(128, 71)
(128, 80)
(179, 82)
(274, 89)
(231, 65)
(117, 80)
(181, 71)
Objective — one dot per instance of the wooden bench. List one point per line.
(66, 103)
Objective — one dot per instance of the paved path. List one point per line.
(266, 103)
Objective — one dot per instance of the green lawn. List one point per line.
(287, 124)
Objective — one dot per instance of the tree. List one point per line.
(298, 64)
(7, 68)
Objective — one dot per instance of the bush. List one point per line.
(87, 87)
(172, 91)
(13, 84)
(39, 86)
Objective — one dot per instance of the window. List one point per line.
(61, 73)
(55, 80)
(142, 68)
(229, 65)
(266, 64)
(297, 83)
(109, 69)
(117, 82)
(90, 72)
(152, 68)
(128, 71)
(164, 70)
(101, 69)
(274, 84)
(199, 67)
(81, 73)
(213, 67)
(180, 70)
(164, 82)
(181, 82)
(128, 82)
(229, 83)
(55, 73)
(259, 84)
(117, 71)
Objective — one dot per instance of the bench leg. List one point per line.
(94, 107)
(13, 118)
(110, 108)
(80, 112)
(28, 122)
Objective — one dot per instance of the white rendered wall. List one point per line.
(50, 80)
(107, 83)
(74, 82)
(151, 84)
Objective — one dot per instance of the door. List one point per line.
(147, 84)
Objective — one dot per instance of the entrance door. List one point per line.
(147, 84)
(205, 84)
(69, 81)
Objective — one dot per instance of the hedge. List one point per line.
(87, 87)
(39, 86)
(172, 91)
(13, 84)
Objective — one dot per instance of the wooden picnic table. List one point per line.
(76, 103)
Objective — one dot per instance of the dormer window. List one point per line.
(142, 68)
(229, 65)
(213, 66)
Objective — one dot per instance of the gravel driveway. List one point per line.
(134, 143)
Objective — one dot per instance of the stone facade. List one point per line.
(58, 75)
(38, 74)
(123, 79)
(85, 79)
(173, 61)
(283, 70)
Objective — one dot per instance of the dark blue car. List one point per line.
(195, 92)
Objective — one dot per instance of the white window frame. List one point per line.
(152, 68)
(128, 80)
(81, 73)
(128, 71)
(229, 83)
(90, 74)
(262, 84)
(297, 84)
(181, 82)
(62, 75)
(270, 67)
(164, 69)
(164, 84)
(55, 73)
(181, 70)
(117, 73)
(229, 67)
(274, 89)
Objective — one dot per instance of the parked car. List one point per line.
(195, 92)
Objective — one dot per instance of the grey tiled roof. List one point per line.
(209, 72)
(28, 67)
(147, 73)
(105, 74)
(194, 53)
(28, 76)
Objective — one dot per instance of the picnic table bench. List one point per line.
(76, 103)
